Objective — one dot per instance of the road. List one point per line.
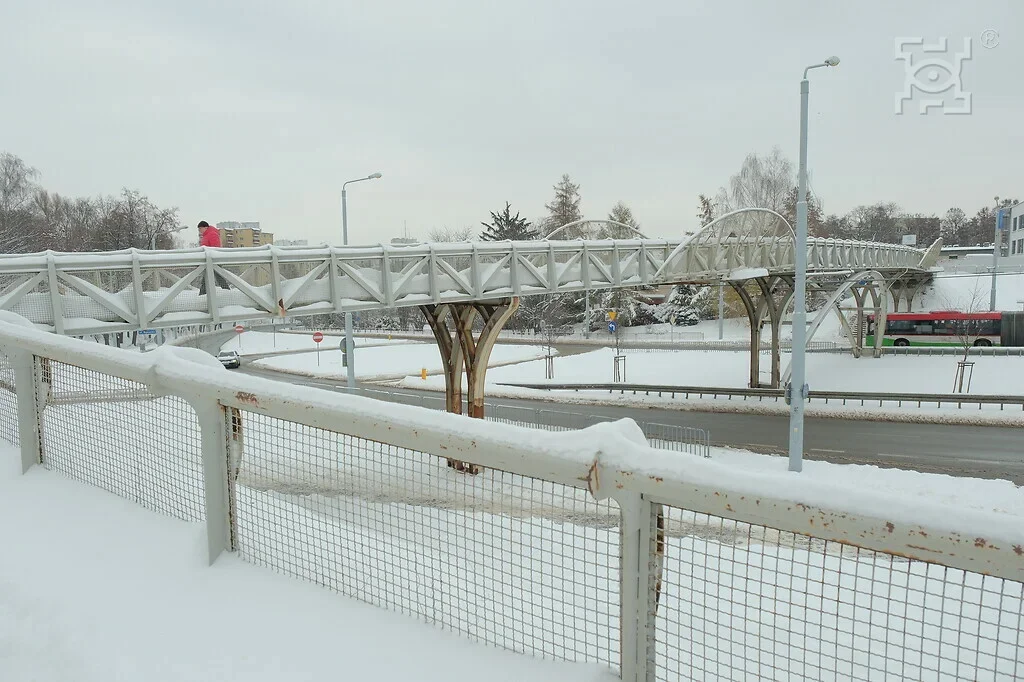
(975, 451)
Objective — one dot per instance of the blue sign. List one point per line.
(999, 220)
(147, 332)
(612, 327)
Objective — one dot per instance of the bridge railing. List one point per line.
(88, 293)
(587, 545)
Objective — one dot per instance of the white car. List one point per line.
(229, 358)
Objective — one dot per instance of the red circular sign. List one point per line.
(318, 337)
(239, 328)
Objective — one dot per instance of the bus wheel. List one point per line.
(901, 342)
(983, 343)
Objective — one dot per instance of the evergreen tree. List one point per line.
(565, 207)
(686, 304)
(705, 209)
(504, 226)
(621, 213)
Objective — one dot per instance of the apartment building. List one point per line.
(234, 234)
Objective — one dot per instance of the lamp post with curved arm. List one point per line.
(798, 397)
(349, 343)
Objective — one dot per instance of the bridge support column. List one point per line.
(772, 299)
(462, 352)
(904, 290)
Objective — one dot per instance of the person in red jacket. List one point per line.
(209, 235)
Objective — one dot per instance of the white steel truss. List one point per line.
(90, 293)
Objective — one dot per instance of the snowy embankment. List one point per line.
(258, 343)
(1000, 375)
(389, 362)
(141, 603)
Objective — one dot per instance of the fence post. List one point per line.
(29, 421)
(642, 553)
(213, 424)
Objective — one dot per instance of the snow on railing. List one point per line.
(584, 545)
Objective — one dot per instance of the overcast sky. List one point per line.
(259, 110)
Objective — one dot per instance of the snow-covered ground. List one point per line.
(95, 589)
(250, 343)
(392, 361)
(825, 371)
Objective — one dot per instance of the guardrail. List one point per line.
(777, 394)
(588, 546)
(689, 439)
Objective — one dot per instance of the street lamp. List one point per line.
(798, 398)
(349, 343)
(152, 238)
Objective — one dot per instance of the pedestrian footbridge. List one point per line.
(753, 250)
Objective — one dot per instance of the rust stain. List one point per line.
(889, 527)
(757, 501)
(659, 479)
(246, 397)
(980, 542)
(1019, 550)
(728, 507)
(619, 486)
(919, 548)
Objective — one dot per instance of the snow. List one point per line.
(970, 291)
(148, 607)
(250, 343)
(838, 371)
(387, 362)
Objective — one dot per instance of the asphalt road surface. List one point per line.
(975, 451)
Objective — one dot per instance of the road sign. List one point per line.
(318, 337)
(239, 329)
(612, 327)
(147, 332)
(611, 315)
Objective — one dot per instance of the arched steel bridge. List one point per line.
(91, 293)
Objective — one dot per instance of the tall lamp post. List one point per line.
(797, 398)
(349, 343)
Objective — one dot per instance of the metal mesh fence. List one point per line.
(8, 402)
(688, 439)
(144, 450)
(516, 562)
(742, 602)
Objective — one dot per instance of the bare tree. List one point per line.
(17, 190)
(763, 182)
(953, 226)
(450, 234)
(967, 332)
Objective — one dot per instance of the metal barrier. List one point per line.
(777, 394)
(584, 546)
(688, 439)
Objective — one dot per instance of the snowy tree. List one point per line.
(504, 226)
(952, 226)
(686, 304)
(565, 207)
(763, 182)
(705, 209)
(621, 213)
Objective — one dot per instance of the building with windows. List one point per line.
(1014, 230)
(234, 234)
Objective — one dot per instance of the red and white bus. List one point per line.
(939, 328)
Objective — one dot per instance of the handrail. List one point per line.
(776, 393)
